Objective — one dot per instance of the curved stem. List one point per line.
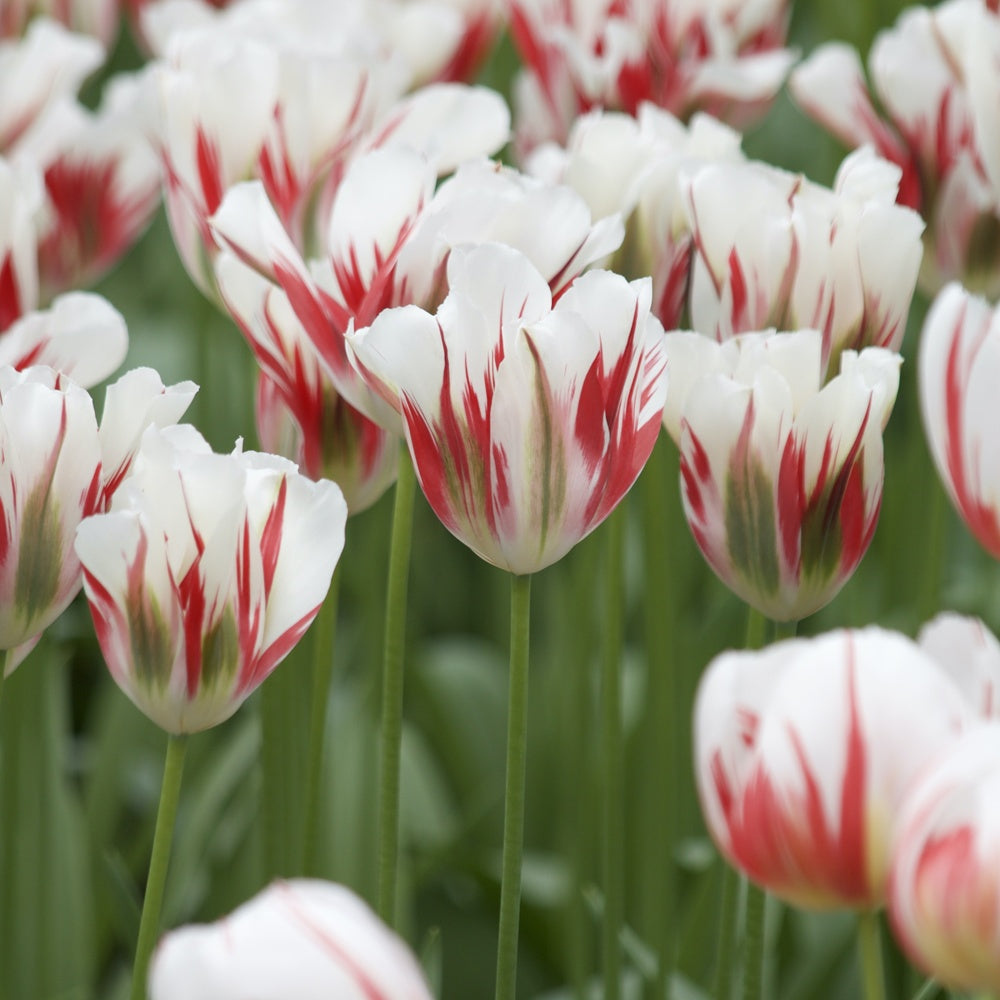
(612, 756)
(513, 821)
(149, 924)
(870, 952)
(323, 663)
(390, 738)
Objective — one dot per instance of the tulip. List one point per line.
(934, 75)
(81, 336)
(772, 249)
(959, 365)
(969, 653)
(723, 57)
(527, 422)
(944, 890)
(781, 475)
(806, 750)
(300, 414)
(300, 939)
(22, 205)
(204, 573)
(60, 467)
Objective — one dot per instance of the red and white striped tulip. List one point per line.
(969, 653)
(635, 166)
(959, 365)
(81, 335)
(527, 420)
(22, 215)
(781, 475)
(724, 57)
(935, 76)
(60, 467)
(774, 250)
(48, 64)
(944, 889)
(300, 414)
(806, 750)
(205, 573)
(302, 939)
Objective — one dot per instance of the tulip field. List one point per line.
(499, 499)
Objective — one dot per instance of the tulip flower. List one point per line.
(527, 422)
(60, 467)
(22, 210)
(302, 939)
(772, 249)
(638, 167)
(944, 886)
(204, 573)
(806, 750)
(300, 414)
(959, 365)
(930, 108)
(781, 475)
(969, 653)
(723, 57)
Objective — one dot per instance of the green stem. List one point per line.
(149, 924)
(870, 953)
(513, 821)
(725, 947)
(390, 737)
(323, 663)
(930, 989)
(5, 658)
(612, 756)
(753, 941)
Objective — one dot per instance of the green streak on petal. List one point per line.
(41, 557)
(151, 640)
(750, 529)
(220, 651)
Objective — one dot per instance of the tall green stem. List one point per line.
(5, 658)
(870, 954)
(725, 948)
(149, 924)
(390, 738)
(513, 821)
(323, 662)
(613, 826)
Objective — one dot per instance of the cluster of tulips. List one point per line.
(513, 338)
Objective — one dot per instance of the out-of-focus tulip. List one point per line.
(959, 366)
(37, 71)
(774, 250)
(944, 889)
(81, 336)
(301, 939)
(781, 475)
(935, 75)
(22, 211)
(724, 57)
(88, 17)
(636, 166)
(205, 573)
(102, 181)
(299, 412)
(527, 422)
(969, 653)
(805, 751)
(59, 468)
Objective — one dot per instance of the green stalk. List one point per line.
(753, 930)
(726, 945)
(149, 924)
(390, 737)
(870, 953)
(612, 756)
(5, 658)
(323, 663)
(513, 821)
